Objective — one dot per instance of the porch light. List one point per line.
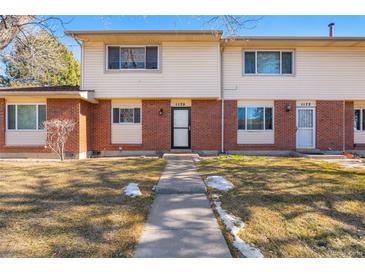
(288, 108)
(161, 111)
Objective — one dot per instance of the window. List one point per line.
(129, 58)
(126, 115)
(26, 116)
(359, 119)
(255, 118)
(268, 62)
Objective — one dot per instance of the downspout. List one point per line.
(222, 97)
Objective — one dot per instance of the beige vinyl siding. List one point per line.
(187, 70)
(359, 135)
(256, 136)
(25, 138)
(319, 73)
(127, 133)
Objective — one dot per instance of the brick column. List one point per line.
(330, 125)
(102, 125)
(230, 125)
(349, 124)
(285, 125)
(67, 109)
(206, 125)
(156, 128)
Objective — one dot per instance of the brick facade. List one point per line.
(93, 130)
(329, 125)
(206, 125)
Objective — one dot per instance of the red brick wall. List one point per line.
(330, 126)
(66, 109)
(349, 124)
(87, 110)
(206, 125)
(156, 129)
(285, 125)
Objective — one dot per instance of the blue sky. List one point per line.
(267, 25)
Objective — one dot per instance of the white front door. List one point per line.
(181, 128)
(305, 127)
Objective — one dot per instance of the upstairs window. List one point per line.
(26, 116)
(268, 62)
(255, 118)
(130, 58)
(126, 115)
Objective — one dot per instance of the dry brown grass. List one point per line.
(74, 208)
(295, 207)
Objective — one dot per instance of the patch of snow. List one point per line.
(234, 224)
(132, 190)
(218, 182)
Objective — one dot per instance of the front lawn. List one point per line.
(294, 207)
(74, 208)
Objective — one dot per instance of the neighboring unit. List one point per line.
(146, 92)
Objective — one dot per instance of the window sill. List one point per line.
(269, 75)
(255, 130)
(107, 71)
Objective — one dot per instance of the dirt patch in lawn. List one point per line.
(74, 208)
(294, 207)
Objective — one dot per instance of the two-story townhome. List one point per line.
(146, 92)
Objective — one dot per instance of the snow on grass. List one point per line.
(218, 182)
(132, 190)
(234, 225)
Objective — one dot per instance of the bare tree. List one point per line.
(14, 27)
(232, 24)
(58, 132)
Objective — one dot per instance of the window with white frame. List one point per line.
(255, 118)
(130, 58)
(359, 119)
(26, 116)
(269, 62)
(126, 115)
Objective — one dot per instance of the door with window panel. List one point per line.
(305, 128)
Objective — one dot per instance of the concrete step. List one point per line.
(180, 156)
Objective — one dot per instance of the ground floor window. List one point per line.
(359, 121)
(255, 118)
(126, 115)
(26, 116)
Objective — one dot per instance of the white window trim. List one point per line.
(16, 116)
(257, 130)
(127, 123)
(361, 119)
(268, 74)
(132, 46)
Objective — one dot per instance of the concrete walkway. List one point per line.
(181, 223)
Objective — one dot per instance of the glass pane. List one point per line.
(241, 113)
(151, 57)
(137, 115)
(41, 116)
(27, 118)
(268, 118)
(268, 62)
(357, 119)
(305, 119)
(11, 116)
(363, 120)
(132, 58)
(255, 118)
(126, 115)
(286, 62)
(250, 62)
(113, 58)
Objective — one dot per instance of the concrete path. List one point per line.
(181, 223)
